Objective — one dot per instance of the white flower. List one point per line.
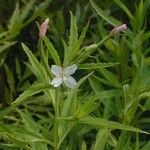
(64, 75)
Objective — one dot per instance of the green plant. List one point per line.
(69, 114)
(107, 108)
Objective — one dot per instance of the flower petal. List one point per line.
(70, 82)
(57, 81)
(56, 70)
(70, 70)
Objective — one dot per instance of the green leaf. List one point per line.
(101, 123)
(3, 34)
(73, 37)
(96, 65)
(95, 84)
(126, 10)
(144, 95)
(86, 51)
(52, 51)
(28, 121)
(10, 81)
(106, 17)
(14, 18)
(20, 134)
(73, 44)
(137, 144)
(101, 139)
(10, 78)
(83, 79)
(90, 102)
(26, 10)
(34, 89)
(83, 147)
(146, 146)
(8, 146)
(18, 68)
(5, 46)
(123, 141)
(110, 77)
(67, 103)
(38, 11)
(82, 36)
(44, 58)
(35, 66)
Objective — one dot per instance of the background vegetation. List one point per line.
(109, 109)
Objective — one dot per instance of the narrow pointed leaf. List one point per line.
(34, 89)
(52, 51)
(106, 17)
(101, 123)
(96, 65)
(126, 10)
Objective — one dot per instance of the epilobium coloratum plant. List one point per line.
(64, 115)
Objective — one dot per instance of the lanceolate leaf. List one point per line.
(101, 123)
(82, 36)
(73, 41)
(27, 10)
(34, 89)
(126, 10)
(106, 17)
(96, 65)
(20, 134)
(38, 69)
(73, 38)
(52, 51)
(101, 139)
(15, 17)
(83, 79)
(5, 46)
(38, 10)
(92, 101)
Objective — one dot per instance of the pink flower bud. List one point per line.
(118, 29)
(43, 28)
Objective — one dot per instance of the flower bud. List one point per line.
(43, 28)
(119, 29)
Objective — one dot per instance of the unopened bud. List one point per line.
(43, 28)
(118, 29)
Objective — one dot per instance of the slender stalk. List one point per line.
(88, 50)
(103, 40)
(56, 124)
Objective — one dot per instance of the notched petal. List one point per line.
(70, 82)
(57, 81)
(56, 70)
(70, 70)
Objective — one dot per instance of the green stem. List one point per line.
(56, 124)
(88, 50)
(103, 40)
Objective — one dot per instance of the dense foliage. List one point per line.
(109, 107)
